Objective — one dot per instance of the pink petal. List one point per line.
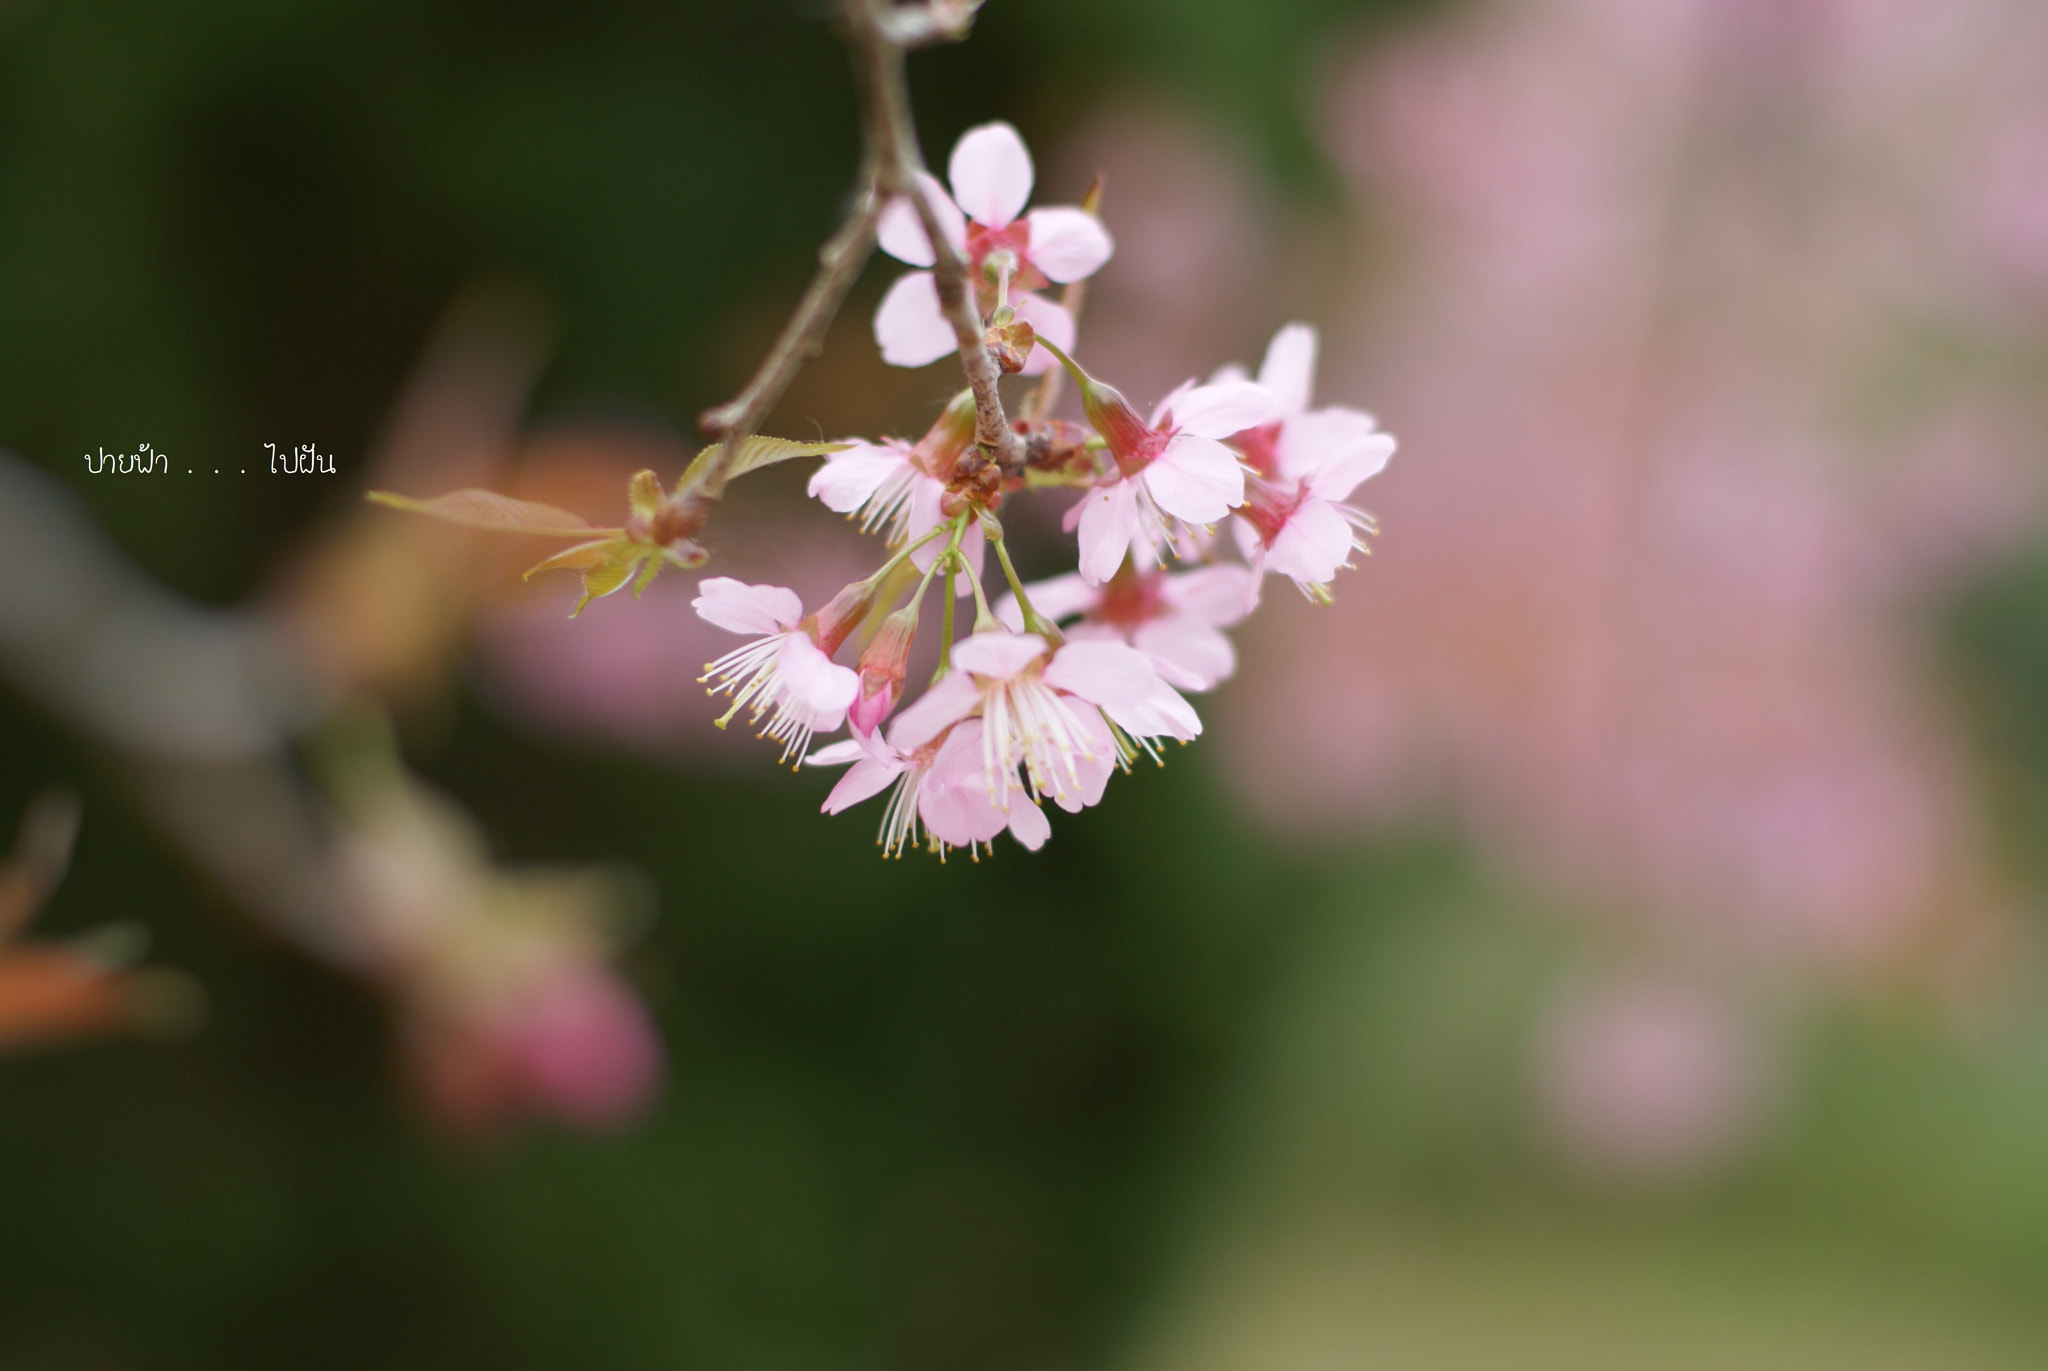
(1109, 516)
(1052, 322)
(839, 753)
(1067, 244)
(900, 232)
(1313, 543)
(738, 607)
(998, 656)
(1229, 373)
(1289, 370)
(1123, 681)
(909, 326)
(1163, 412)
(991, 174)
(1196, 479)
(953, 800)
(1189, 654)
(1029, 826)
(1093, 766)
(1219, 411)
(850, 478)
(945, 704)
(1212, 595)
(815, 682)
(1062, 597)
(1309, 442)
(1102, 671)
(925, 514)
(869, 777)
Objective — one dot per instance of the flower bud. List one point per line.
(1131, 440)
(952, 435)
(882, 669)
(841, 615)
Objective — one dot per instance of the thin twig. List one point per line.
(878, 33)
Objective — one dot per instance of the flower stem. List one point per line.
(904, 552)
(1034, 622)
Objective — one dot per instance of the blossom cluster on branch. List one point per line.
(1052, 687)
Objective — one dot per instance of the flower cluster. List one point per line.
(1056, 684)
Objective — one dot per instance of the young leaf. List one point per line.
(581, 557)
(753, 453)
(610, 574)
(474, 508)
(644, 494)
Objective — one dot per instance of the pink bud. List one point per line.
(882, 669)
(841, 616)
(950, 436)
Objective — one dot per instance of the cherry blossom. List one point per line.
(1303, 465)
(901, 487)
(941, 784)
(786, 672)
(984, 218)
(1050, 712)
(1174, 618)
(1171, 472)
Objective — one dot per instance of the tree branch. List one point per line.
(878, 32)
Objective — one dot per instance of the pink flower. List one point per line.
(1173, 618)
(785, 672)
(941, 784)
(1171, 472)
(991, 174)
(1304, 464)
(1045, 710)
(902, 488)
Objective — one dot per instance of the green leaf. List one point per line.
(608, 576)
(581, 557)
(474, 508)
(753, 453)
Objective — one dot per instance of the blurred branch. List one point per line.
(878, 33)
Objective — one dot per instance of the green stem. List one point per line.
(948, 559)
(902, 553)
(1034, 622)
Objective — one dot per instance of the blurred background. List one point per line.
(1610, 935)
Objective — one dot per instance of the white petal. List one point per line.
(1313, 543)
(900, 231)
(1067, 244)
(1309, 442)
(1109, 516)
(1196, 479)
(1289, 370)
(1219, 411)
(909, 325)
(1050, 320)
(848, 479)
(991, 174)
(1335, 480)
(1227, 373)
(740, 608)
